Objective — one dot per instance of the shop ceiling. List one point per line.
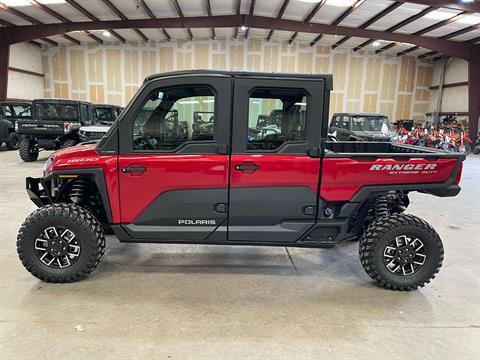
(421, 28)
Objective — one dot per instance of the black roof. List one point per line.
(106, 105)
(327, 77)
(60, 101)
(359, 114)
(16, 102)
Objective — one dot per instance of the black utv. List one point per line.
(107, 114)
(12, 111)
(361, 127)
(55, 125)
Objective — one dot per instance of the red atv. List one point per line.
(229, 185)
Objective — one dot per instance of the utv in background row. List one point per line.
(55, 125)
(106, 116)
(10, 113)
(361, 127)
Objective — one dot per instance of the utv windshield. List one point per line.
(56, 111)
(371, 123)
(104, 113)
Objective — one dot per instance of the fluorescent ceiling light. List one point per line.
(106, 33)
(470, 20)
(301, 103)
(342, 3)
(376, 43)
(49, 2)
(208, 101)
(187, 102)
(243, 28)
(15, 2)
(439, 15)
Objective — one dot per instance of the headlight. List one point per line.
(46, 166)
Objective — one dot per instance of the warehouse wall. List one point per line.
(455, 99)
(112, 74)
(25, 56)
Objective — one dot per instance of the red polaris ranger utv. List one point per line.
(235, 180)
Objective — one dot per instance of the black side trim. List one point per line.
(445, 188)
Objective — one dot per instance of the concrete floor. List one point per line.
(215, 302)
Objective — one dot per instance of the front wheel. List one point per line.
(401, 252)
(12, 141)
(60, 243)
(28, 149)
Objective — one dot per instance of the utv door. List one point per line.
(173, 161)
(275, 169)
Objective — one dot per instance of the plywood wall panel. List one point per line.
(407, 74)
(339, 70)
(370, 103)
(374, 65)
(131, 66)
(404, 103)
(389, 82)
(113, 70)
(166, 59)
(355, 78)
(362, 82)
(270, 58)
(59, 64)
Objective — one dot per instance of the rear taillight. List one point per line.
(66, 128)
(459, 174)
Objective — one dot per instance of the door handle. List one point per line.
(134, 169)
(248, 167)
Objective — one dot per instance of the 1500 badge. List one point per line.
(196, 222)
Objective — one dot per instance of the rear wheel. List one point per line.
(401, 252)
(61, 243)
(12, 141)
(28, 149)
(68, 143)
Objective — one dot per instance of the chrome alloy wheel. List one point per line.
(57, 247)
(404, 255)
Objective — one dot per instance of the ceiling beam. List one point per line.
(309, 17)
(250, 12)
(371, 21)
(430, 53)
(339, 19)
(150, 13)
(279, 15)
(26, 17)
(473, 6)
(89, 15)
(6, 23)
(62, 18)
(10, 35)
(209, 12)
(117, 12)
(177, 7)
(237, 12)
(399, 25)
(428, 29)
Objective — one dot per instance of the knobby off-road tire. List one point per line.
(84, 250)
(12, 141)
(27, 150)
(68, 143)
(380, 253)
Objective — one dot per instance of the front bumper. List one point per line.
(37, 191)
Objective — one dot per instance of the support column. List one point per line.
(474, 92)
(4, 58)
